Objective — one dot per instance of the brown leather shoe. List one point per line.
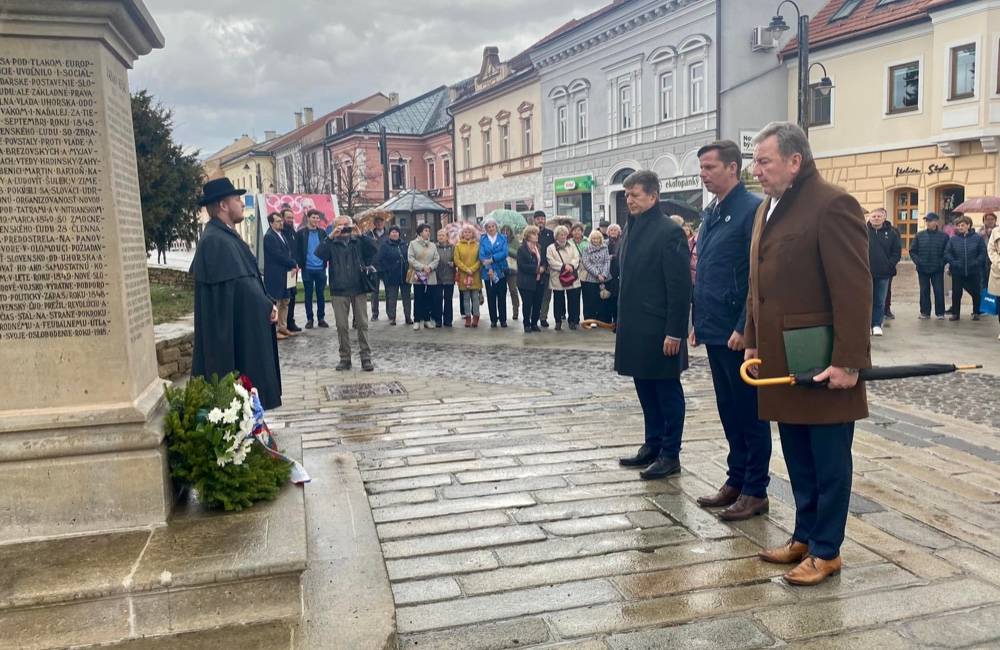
(745, 508)
(280, 336)
(812, 571)
(791, 552)
(726, 496)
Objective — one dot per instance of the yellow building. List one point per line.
(913, 121)
(498, 144)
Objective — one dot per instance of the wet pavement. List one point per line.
(506, 522)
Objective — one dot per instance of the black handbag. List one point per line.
(369, 278)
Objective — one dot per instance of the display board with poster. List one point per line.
(300, 205)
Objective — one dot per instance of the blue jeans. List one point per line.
(314, 280)
(880, 286)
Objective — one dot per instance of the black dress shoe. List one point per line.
(662, 468)
(324, 324)
(367, 365)
(572, 326)
(343, 365)
(292, 327)
(544, 323)
(643, 457)
(536, 328)
(503, 323)
(309, 324)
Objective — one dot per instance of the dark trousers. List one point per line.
(879, 287)
(819, 464)
(531, 301)
(749, 438)
(567, 300)
(888, 298)
(442, 311)
(960, 283)
(422, 301)
(592, 307)
(375, 295)
(314, 281)
(928, 281)
(662, 402)
(496, 300)
(392, 292)
(291, 306)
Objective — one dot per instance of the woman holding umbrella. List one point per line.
(493, 258)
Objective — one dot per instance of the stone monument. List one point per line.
(80, 445)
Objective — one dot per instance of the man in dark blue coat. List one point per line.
(278, 261)
(233, 315)
(927, 253)
(654, 299)
(719, 314)
(965, 254)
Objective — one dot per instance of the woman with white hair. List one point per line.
(493, 257)
(596, 261)
(564, 277)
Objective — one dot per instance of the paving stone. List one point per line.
(909, 556)
(711, 575)
(451, 506)
(936, 477)
(378, 487)
(434, 565)
(606, 565)
(650, 488)
(648, 519)
(895, 436)
(503, 487)
(555, 469)
(958, 630)
(447, 523)
(518, 633)
(422, 591)
(618, 617)
(591, 508)
(908, 530)
(594, 544)
(422, 495)
(584, 454)
(474, 609)
(876, 639)
(587, 525)
(521, 450)
(810, 619)
(974, 562)
(854, 580)
(479, 538)
(439, 468)
(887, 413)
(724, 634)
(612, 476)
(447, 457)
(692, 516)
(380, 463)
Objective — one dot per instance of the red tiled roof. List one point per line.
(306, 129)
(866, 19)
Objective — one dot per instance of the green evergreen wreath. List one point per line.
(195, 444)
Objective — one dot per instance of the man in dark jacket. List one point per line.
(307, 240)
(927, 254)
(965, 254)
(884, 251)
(278, 261)
(720, 298)
(348, 254)
(392, 264)
(378, 235)
(288, 230)
(650, 341)
(233, 315)
(546, 237)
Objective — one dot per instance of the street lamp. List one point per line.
(777, 26)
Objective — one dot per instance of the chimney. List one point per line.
(309, 114)
(298, 120)
(270, 135)
(393, 99)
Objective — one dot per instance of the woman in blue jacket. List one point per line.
(493, 257)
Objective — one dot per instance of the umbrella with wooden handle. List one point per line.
(805, 379)
(591, 323)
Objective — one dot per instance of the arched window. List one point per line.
(621, 175)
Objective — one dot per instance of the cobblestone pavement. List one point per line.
(505, 521)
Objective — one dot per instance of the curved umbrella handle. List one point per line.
(593, 321)
(753, 381)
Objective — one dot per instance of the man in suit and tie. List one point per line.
(278, 261)
(809, 269)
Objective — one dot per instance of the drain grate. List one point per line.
(361, 391)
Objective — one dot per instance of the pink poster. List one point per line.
(301, 204)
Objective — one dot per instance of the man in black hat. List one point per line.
(927, 253)
(233, 315)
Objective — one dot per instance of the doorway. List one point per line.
(905, 216)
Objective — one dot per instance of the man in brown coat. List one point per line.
(809, 267)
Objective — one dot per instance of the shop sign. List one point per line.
(680, 183)
(746, 143)
(932, 169)
(574, 184)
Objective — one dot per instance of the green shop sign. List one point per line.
(574, 184)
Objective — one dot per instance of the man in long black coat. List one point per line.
(233, 315)
(653, 304)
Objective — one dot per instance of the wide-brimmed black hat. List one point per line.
(218, 189)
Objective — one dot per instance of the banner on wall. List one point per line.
(300, 205)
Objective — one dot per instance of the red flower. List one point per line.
(247, 384)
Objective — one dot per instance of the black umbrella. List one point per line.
(805, 379)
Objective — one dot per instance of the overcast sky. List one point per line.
(245, 66)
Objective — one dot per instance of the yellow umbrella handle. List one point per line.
(753, 381)
(593, 321)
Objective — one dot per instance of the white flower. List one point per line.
(242, 392)
(215, 415)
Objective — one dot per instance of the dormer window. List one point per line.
(845, 10)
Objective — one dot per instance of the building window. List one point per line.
(845, 10)
(525, 136)
(963, 71)
(431, 175)
(397, 175)
(625, 107)
(487, 148)
(904, 87)
(562, 129)
(696, 87)
(666, 96)
(820, 105)
(446, 168)
(467, 151)
(289, 175)
(581, 120)
(504, 142)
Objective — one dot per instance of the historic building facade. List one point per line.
(498, 138)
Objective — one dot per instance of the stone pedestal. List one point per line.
(80, 441)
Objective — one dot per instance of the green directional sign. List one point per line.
(574, 184)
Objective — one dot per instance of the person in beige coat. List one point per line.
(564, 256)
(993, 251)
(423, 257)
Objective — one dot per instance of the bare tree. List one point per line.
(350, 176)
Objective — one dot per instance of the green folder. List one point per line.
(808, 348)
